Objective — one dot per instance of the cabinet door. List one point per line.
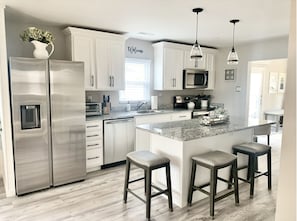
(102, 66)
(83, 51)
(190, 63)
(173, 69)
(211, 70)
(116, 64)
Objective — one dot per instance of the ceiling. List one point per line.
(163, 19)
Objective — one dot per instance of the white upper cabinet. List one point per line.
(83, 50)
(168, 69)
(110, 64)
(103, 55)
(190, 63)
(172, 58)
(210, 66)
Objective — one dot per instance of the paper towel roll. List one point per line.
(154, 102)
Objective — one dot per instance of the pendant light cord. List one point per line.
(197, 27)
(233, 33)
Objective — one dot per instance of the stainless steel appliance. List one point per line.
(93, 109)
(195, 78)
(119, 137)
(48, 120)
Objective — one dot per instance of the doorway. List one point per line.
(255, 95)
(265, 87)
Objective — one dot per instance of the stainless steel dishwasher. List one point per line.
(119, 139)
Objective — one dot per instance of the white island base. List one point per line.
(180, 153)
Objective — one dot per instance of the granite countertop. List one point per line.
(128, 114)
(192, 129)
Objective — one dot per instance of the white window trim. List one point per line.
(148, 78)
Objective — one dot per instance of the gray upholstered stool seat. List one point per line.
(146, 158)
(214, 161)
(252, 147)
(254, 150)
(148, 161)
(215, 158)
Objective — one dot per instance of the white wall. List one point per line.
(224, 91)
(286, 195)
(17, 48)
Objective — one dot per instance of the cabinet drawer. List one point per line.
(95, 162)
(93, 136)
(181, 116)
(94, 153)
(93, 144)
(94, 128)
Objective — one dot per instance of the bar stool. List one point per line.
(214, 161)
(253, 150)
(148, 162)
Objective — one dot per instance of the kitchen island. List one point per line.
(180, 140)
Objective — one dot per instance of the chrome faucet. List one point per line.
(140, 105)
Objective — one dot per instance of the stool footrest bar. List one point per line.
(132, 181)
(134, 194)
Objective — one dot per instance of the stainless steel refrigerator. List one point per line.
(48, 120)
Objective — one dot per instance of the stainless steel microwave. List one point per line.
(195, 78)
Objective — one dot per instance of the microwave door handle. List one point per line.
(205, 79)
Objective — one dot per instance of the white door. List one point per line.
(255, 94)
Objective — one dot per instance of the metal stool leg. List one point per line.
(169, 187)
(235, 176)
(148, 193)
(252, 174)
(193, 173)
(213, 187)
(269, 168)
(126, 180)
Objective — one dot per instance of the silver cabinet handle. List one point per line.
(95, 135)
(92, 80)
(92, 158)
(112, 81)
(92, 145)
(182, 116)
(91, 126)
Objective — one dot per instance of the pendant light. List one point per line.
(233, 56)
(196, 52)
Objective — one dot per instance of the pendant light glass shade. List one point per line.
(196, 52)
(232, 58)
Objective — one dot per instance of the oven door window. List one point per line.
(30, 117)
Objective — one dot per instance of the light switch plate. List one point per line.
(237, 89)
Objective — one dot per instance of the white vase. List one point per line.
(40, 50)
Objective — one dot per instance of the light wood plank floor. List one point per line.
(99, 197)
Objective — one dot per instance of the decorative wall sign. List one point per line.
(230, 74)
(134, 50)
(273, 82)
(281, 82)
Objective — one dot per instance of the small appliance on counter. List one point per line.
(93, 109)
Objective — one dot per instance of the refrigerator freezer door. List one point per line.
(29, 88)
(68, 121)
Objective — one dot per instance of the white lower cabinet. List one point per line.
(142, 140)
(94, 145)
